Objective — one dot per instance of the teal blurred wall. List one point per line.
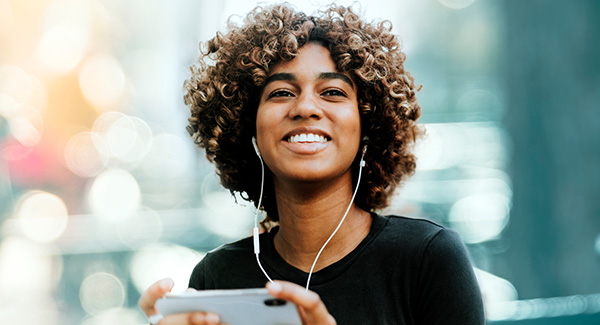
(552, 79)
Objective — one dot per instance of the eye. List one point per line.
(334, 92)
(281, 93)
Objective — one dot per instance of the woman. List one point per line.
(320, 95)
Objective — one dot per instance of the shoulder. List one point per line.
(422, 226)
(445, 286)
(420, 239)
(430, 240)
(230, 251)
(219, 261)
(408, 232)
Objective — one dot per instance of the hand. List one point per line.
(311, 308)
(160, 288)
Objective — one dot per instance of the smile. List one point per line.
(306, 138)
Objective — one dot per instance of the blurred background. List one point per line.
(102, 192)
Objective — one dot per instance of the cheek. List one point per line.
(350, 122)
(352, 129)
(266, 126)
(261, 121)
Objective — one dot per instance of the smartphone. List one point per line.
(237, 306)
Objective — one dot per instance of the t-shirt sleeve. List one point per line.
(447, 288)
(197, 277)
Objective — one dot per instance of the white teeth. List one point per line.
(307, 137)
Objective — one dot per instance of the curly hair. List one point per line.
(224, 90)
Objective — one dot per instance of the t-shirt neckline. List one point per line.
(279, 269)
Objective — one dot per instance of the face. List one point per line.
(308, 124)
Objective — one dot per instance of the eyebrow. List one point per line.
(336, 75)
(279, 76)
(284, 76)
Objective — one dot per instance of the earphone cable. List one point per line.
(255, 233)
(362, 164)
(255, 230)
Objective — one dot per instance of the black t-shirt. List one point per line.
(406, 271)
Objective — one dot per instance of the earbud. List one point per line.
(255, 145)
(365, 141)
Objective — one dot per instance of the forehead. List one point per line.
(313, 61)
(311, 57)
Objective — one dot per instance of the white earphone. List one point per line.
(255, 229)
(262, 183)
(255, 145)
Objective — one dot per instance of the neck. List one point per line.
(308, 215)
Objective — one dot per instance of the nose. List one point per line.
(306, 106)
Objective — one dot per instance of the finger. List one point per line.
(309, 300)
(155, 291)
(309, 303)
(197, 318)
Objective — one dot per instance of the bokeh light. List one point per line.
(114, 194)
(129, 138)
(62, 47)
(29, 275)
(163, 260)
(102, 81)
(229, 218)
(121, 136)
(456, 4)
(42, 216)
(487, 146)
(126, 138)
(22, 102)
(442, 147)
(495, 292)
(140, 229)
(149, 91)
(75, 12)
(453, 144)
(82, 156)
(6, 14)
(16, 83)
(39, 97)
(8, 106)
(169, 157)
(66, 36)
(480, 217)
(100, 292)
(101, 129)
(27, 267)
(544, 308)
(27, 125)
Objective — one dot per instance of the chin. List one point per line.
(316, 176)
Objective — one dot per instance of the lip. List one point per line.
(305, 148)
